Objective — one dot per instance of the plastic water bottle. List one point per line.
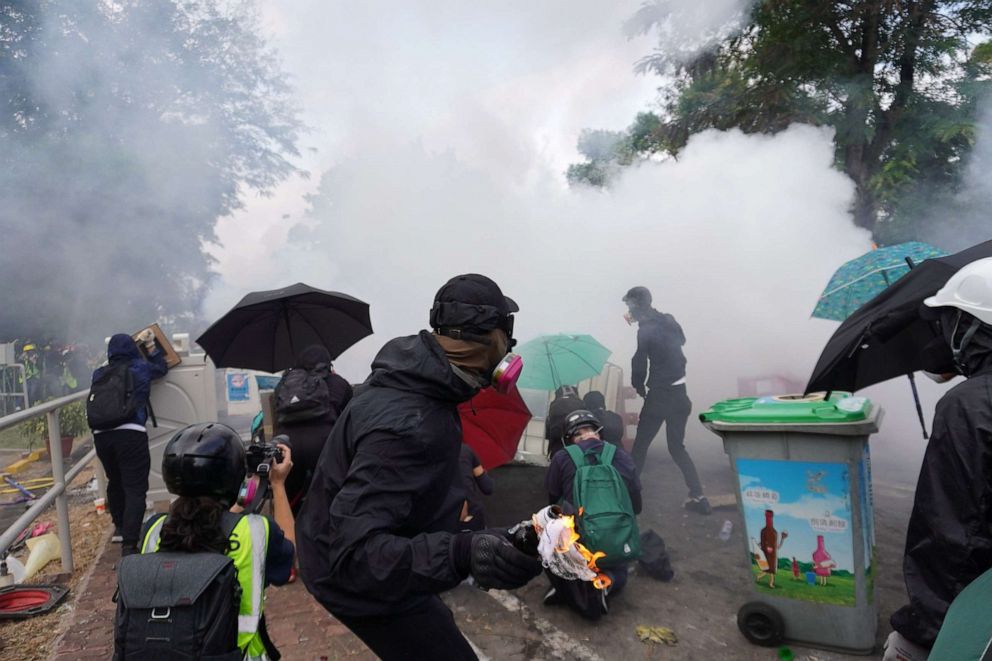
(728, 527)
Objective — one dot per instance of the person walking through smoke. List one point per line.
(379, 534)
(658, 375)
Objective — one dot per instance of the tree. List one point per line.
(128, 129)
(898, 80)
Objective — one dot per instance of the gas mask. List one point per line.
(951, 325)
(505, 374)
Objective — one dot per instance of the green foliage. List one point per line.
(898, 81)
(72, 422)
(127, 129)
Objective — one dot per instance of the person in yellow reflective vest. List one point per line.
(204, 464)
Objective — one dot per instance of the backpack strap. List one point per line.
(575, 453)
(607, 453)
(603, 455)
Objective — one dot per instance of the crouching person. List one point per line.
(592, 478)
(196, 589)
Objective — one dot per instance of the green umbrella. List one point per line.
(551, 361)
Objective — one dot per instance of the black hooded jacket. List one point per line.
(949, 540)
(374, 535)
(660, 340)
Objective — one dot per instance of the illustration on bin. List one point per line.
(803, 474)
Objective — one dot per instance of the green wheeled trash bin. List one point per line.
(803, 474)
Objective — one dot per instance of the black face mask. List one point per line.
(958, 329)
(936, 357)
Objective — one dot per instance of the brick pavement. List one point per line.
(300, 628)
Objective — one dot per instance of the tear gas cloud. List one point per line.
(460, 170)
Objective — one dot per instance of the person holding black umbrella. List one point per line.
(309, 398)
(378, 536)
(949, 539)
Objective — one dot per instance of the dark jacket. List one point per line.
(123, 348)
(554, 424)
(373, 537)
(659, 340)
(612, 431)
(316, 357)
(949, 540)
(560, 478)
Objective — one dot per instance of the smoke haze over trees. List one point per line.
(901, 84)
(128, 128)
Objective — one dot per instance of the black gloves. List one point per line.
(641, 391)
(495, 563)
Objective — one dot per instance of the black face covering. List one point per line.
(937, 357)
(958, 329)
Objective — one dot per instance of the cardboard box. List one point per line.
(171, 357)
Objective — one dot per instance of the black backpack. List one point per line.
(112, 401)
(174, 606)
(302, 395)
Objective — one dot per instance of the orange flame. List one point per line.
(602, 581)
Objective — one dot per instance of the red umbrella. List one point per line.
(492, 425)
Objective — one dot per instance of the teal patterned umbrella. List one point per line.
(861, 279)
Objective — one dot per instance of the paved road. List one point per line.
(700, 605)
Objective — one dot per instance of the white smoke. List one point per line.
(443, 135)
(736, 239)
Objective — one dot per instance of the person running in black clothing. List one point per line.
(659, 344)
(377, 540)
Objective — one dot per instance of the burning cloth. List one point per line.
(560, 551)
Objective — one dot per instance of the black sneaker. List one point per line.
(117, 537)
(128, 549)
(552, 598)
(699, 505)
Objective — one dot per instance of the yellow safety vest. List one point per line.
(248, 554)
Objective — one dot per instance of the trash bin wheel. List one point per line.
(761, 624)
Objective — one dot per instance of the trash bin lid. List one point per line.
(841, 413)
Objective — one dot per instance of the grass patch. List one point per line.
(838, 591)
(20, 437)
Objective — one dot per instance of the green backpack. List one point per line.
(607, 522)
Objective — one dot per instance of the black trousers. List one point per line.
(669, 406)
(426, 632)
(126, 460)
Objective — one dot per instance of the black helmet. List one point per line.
(579, 419)
(638, 297)
(469, 306)
(205, 459)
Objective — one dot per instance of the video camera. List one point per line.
(261, 454)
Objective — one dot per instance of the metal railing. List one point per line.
(60, 478)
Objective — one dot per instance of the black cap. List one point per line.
(476, 289)
(474, 304)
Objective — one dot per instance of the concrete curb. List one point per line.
(69, 620)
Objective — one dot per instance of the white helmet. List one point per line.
(970, 290)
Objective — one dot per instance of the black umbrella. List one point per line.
(266, 329)
(884, 338)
